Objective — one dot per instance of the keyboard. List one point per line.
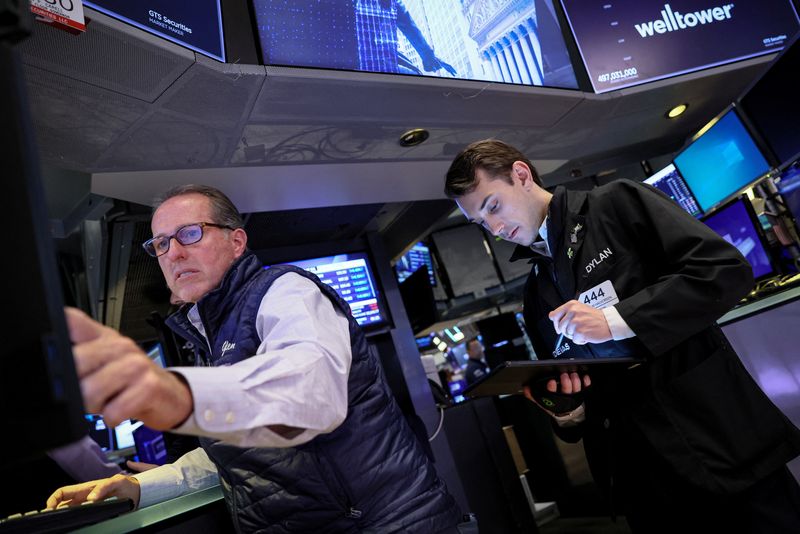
(65, 519)
(769, 287)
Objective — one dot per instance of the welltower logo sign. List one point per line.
(671, 21)
(630, 42)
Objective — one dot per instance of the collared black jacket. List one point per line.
(476, 369)
(692, 399)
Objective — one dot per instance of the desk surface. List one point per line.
(155, 513)
(760, 305)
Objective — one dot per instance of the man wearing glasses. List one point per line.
(294, 417)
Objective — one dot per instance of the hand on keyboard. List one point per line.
(66, 518)
(121, 486)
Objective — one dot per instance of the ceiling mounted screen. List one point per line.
(630, 42)
(514, 42)
(195, 24)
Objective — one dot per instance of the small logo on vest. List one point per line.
(226, 346)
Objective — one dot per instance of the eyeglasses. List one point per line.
(188, 234)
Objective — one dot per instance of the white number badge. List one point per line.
(600, 296)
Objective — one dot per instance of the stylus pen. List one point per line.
(558, 343)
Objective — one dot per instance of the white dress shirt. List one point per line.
(298, 378)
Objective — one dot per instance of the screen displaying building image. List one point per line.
(513, 42)
(351, 277)
(668, 180)
(629, 42)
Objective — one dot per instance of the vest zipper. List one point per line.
(351, 512)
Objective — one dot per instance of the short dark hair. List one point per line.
(493, 156)
(223, 210)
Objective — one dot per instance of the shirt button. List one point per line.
(230, 418)
(208, 415)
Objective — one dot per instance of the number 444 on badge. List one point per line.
(68, 13)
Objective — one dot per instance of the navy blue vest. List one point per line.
(369, 475)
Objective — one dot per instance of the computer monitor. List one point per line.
(112, 439)
(771, 105)
(669, 181)
(466, 259)
(499, 330)
(39, 393)
(425, 343)
(123, 434)
(737, 223)
(419, 255)
(351, 276)
(101, 433)
(457, 388)
(721, 162)
(150, 445)
(418, 300)
(156, 353)
(789, 188)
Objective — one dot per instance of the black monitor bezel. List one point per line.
(755, 131)
(751, 213)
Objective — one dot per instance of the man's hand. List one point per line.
(121, 486)
(581, 323)
(571, 384)
(120, 382)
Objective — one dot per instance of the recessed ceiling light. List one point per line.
(414, 137)
(677, 111)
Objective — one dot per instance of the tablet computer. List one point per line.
(509, 377)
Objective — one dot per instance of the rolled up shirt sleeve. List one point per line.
(297, 378)
(193, 471)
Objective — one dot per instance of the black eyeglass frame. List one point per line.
(151, 249)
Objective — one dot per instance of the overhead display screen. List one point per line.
(771, 104)
(629, 42)
(442, 38)
(195, 24)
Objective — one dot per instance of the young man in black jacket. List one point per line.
(623, 271)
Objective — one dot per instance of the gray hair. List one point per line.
(222, 209)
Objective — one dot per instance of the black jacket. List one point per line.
(692, 399)
(476, 369)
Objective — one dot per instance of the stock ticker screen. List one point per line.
(350, 275)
